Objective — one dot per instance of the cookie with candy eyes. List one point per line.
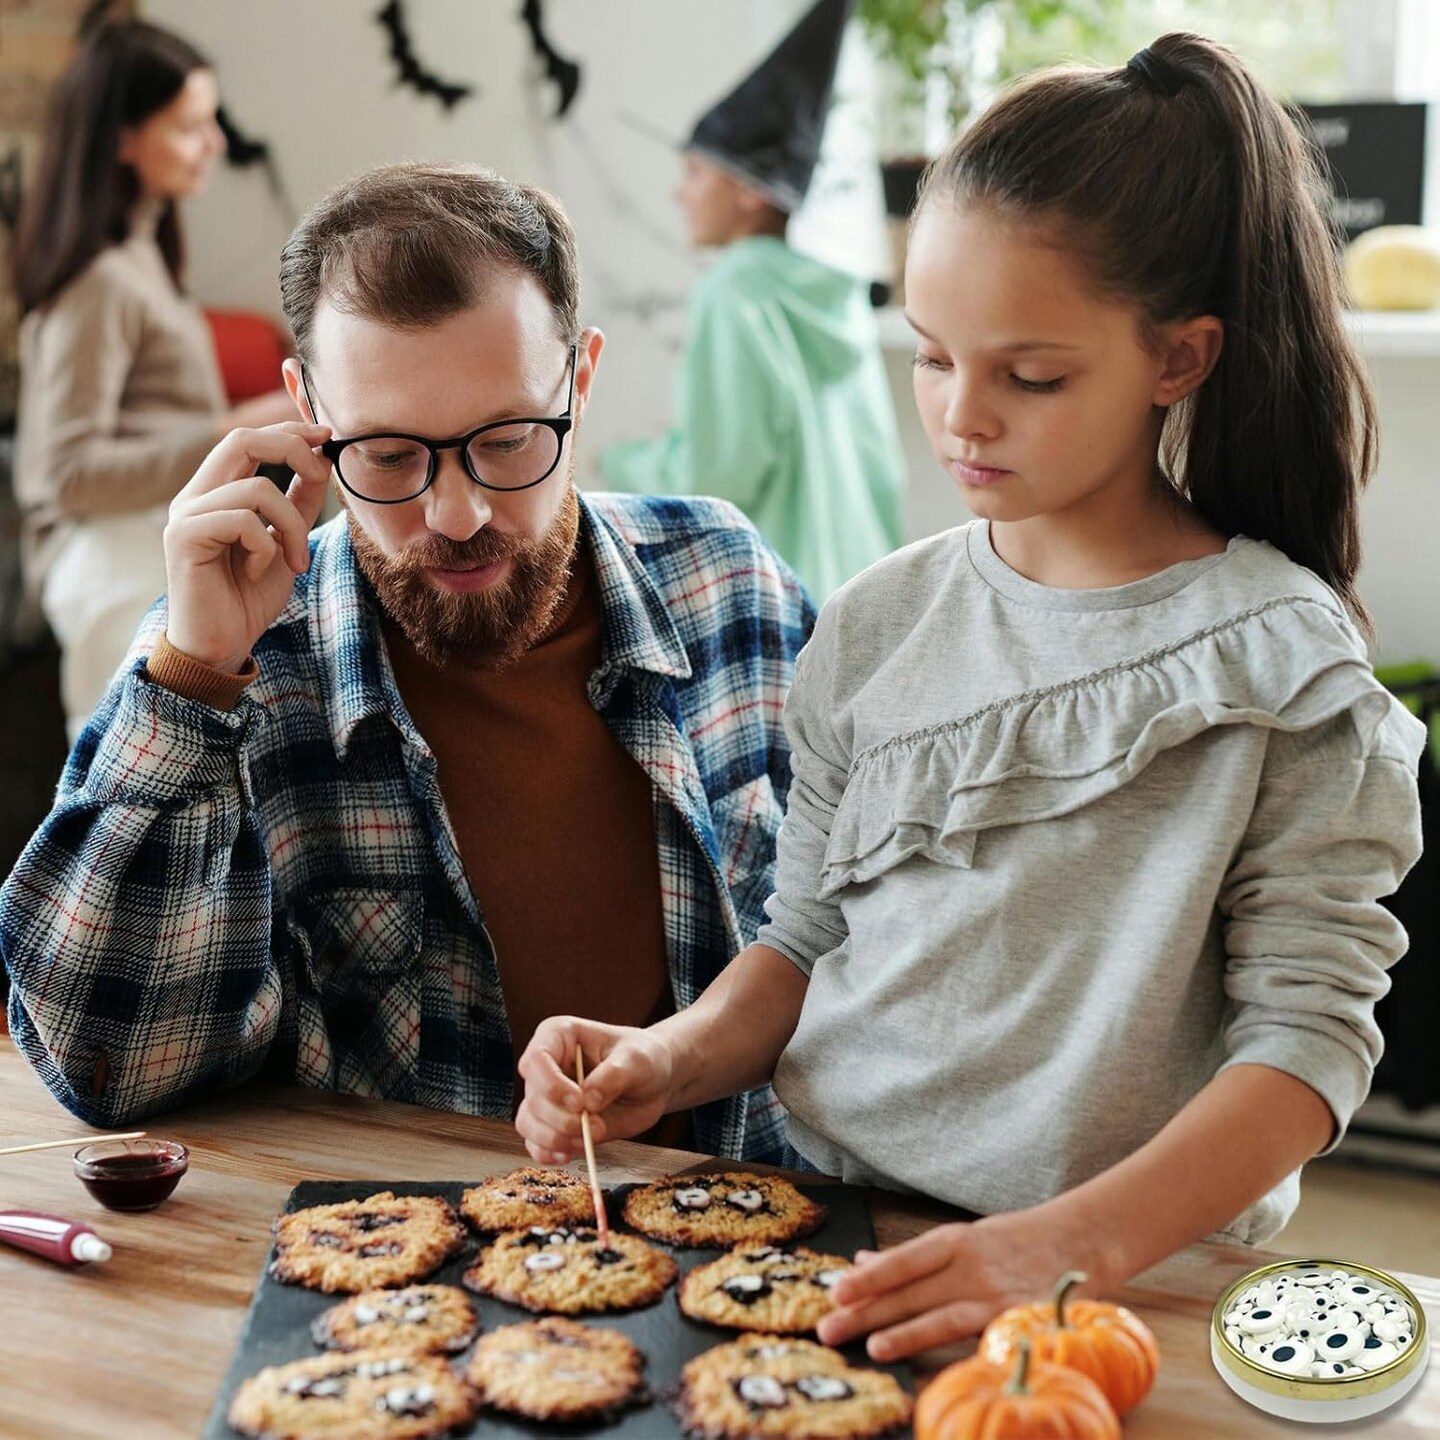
(528, 1196)
(722, 1210)
(558, 1369)
(383, 1240)
(436, 1318)
(768, 1385)
(763, 1289)
(368, 1395)
(567, 1271)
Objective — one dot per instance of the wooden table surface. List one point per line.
(138, 1347)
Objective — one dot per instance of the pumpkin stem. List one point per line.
(1016, 1384)
(1068, 1282)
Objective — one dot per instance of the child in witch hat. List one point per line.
(781, 401)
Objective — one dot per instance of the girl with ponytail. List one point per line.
(1076, 921)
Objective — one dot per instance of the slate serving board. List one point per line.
(277, 1325)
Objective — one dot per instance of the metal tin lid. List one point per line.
(1352, 1392)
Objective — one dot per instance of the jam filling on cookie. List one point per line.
(746, 1289)
(367, 1220)
(605, 1255)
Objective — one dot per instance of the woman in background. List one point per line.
(120, 392)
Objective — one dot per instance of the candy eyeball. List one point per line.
(1289, 1357)
(1376, 1353)
(1342, 1344)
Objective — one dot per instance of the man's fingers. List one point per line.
(219, 530)
(262, 498)
(241, 451)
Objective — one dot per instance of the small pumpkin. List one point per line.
(1109, 1343)
(1027, 1399)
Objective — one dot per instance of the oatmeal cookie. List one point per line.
(558, 1369)
(380, 1241)
(567, 1271)
(438, 1318)
(771, 1385)
(763, 1288)
(370, 1395)
(528, 1196)
(724, 1209)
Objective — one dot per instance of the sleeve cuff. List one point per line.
(191, 679)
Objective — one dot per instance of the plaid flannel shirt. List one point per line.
(277, 889)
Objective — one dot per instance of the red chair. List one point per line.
(249, 347)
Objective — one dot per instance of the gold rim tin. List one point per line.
(1319, 1398)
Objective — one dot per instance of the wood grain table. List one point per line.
(138, 1347)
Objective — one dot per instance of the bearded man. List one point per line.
(364, 807)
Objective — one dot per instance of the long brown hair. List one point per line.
(1187, 191)
(80, 200)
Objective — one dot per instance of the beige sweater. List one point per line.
(120, 393)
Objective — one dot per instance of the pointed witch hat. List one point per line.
(766, 131)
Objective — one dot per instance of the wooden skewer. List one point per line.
(73, 1140)
(602, 1223)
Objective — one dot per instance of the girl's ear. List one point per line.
(1190, 349)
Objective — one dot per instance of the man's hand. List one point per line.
(951, 1282)
(234, 544)
(627, 1085)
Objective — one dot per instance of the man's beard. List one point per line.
(483, 629)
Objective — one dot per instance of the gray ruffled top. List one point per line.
(1053, 858)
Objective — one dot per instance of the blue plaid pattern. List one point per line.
(277, 889)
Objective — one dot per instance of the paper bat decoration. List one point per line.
(412, 72)
(240, 149)
(565, 73)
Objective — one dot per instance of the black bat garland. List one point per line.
(565, 73)
(412, 73)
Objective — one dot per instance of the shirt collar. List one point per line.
(638, 630)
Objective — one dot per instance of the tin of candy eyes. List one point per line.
(1319, 1340)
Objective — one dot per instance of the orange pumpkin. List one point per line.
(976, 1399)
(1109, 1343)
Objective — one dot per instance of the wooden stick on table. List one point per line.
(602, 1223)
(73, 1140)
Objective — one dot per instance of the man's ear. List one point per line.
(290, 372)
(587, 360)
(1190, 349)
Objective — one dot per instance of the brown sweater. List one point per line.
(555, 823)
(120, 393)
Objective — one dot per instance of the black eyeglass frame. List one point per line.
(561, 425)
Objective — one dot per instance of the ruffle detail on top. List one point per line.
(1288, 665)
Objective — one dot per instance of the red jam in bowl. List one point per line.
(131, 1174)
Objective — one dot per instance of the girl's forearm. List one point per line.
(730, 1039)
(1237, 1139)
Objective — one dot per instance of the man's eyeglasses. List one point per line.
(503, 455)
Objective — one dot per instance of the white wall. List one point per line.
(314, 79)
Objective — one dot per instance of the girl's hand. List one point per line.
(628, 1081)
(234, 544)
(949, 1283)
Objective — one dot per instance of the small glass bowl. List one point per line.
(131, 1174)
(1343, 1398)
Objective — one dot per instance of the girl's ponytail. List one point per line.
(1188, 191)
